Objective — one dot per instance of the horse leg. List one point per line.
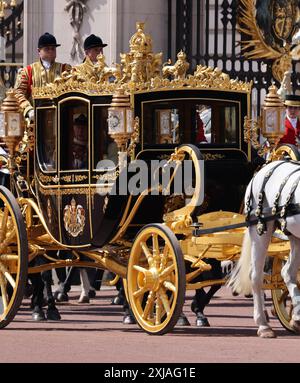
(289, 275)
(259, 247)
(37, 297)
(52, 312)
(61, 292)
(85, 286)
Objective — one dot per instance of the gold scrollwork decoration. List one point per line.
(80, 178)
(67, 179)
(107, 177)
(140, 70)
(213, 157)
(46, 179)
(64, 192)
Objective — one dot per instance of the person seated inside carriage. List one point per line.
(79, 143)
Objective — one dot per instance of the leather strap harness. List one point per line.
(261, 215)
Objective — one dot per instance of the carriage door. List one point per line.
(74, 175)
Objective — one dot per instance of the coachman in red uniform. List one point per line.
(292, 121)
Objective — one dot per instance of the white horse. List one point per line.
(247, 276)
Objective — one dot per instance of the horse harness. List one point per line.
(260, 216)
(276, 213)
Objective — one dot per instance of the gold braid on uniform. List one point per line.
(35, 75)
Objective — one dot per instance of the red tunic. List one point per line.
(290, 133)
(200, 131)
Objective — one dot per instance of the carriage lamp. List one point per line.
(273, 116)
(120, 122)
(11, 123)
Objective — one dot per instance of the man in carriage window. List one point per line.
(292, 122)
(38, 74)
(79, 143)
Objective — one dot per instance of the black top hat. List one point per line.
(292, 100)
(93, 41)
(47, 40)
(81, 120)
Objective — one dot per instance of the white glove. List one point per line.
(30, 115)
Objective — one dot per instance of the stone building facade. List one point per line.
(113, 20)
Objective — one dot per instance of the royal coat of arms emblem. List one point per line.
(74, 219)
(267, 28)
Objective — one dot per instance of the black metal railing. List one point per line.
(11, 29)
(207, 31)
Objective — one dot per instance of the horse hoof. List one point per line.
(202, 321)
(295, 324)
(84, 299)
(183, 321)
(129, 319)
(62, 297)
(117, 301)
(38, 316)
(266, 333)
(53, 314)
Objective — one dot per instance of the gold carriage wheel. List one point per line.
(156, 279)
(286, 150)
(281, 297)
(13, 257)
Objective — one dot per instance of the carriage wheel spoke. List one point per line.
(155, 245)
(139, 269)
(149, 305)
(4, 224)
(3, 292)
(169, 286)
(7, 275)
(7, 241)
(9, 257)
(167, 271)
(147, 253)
(140, 292)
(164, 258)
(164, 298)
(158, 312)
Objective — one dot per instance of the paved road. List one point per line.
(94, 333)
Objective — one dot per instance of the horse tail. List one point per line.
(239, 279)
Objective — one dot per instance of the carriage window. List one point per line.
(74, 135)
(105, 147)
(46, 126)
(188, 121)
(215, 124)
(203, 124)
(167, 126)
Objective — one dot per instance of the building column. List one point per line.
(33, 29)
